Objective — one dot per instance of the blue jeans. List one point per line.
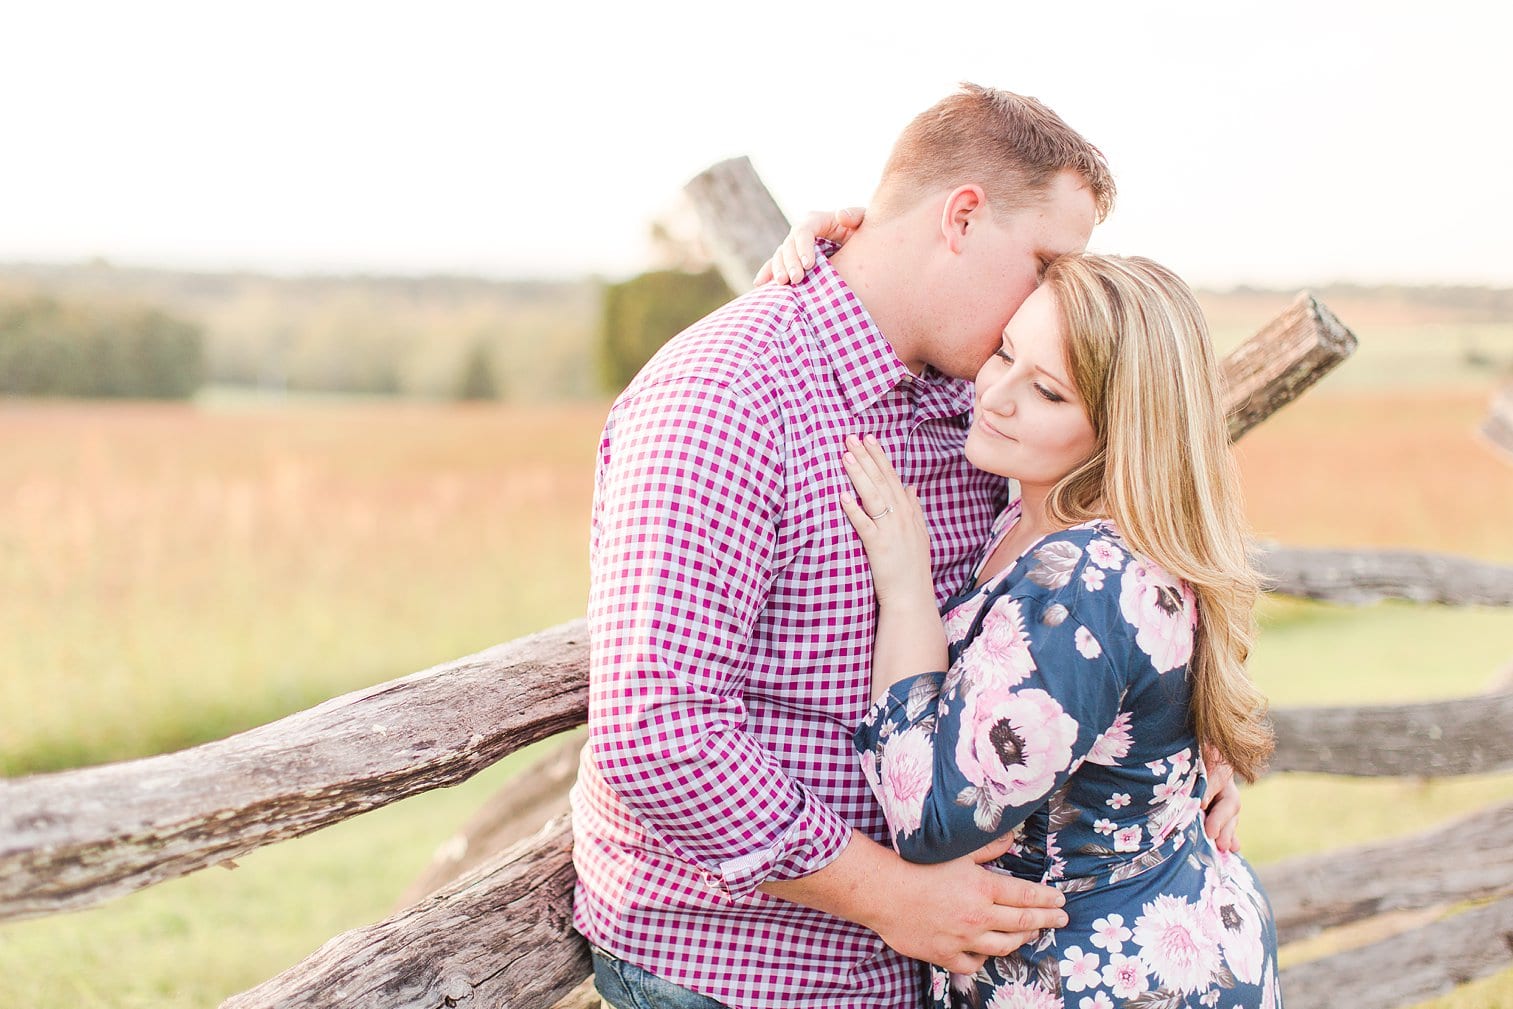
(625, 986)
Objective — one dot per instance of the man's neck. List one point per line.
(876, 274)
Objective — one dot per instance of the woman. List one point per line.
(1098, 648)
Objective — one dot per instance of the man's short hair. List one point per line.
(1011, 145)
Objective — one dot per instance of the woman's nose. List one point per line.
(998, 397)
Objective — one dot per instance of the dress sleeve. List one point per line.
(688, 499)
(958, 759)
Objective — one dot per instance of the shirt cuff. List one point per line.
(814, 839)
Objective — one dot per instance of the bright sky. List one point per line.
(1260, 141)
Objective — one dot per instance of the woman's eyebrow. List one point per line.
(1054, 377)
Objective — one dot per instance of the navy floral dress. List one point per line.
(1064, 719)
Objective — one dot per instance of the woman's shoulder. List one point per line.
(1090, 574)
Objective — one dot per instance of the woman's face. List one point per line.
(1029, 422)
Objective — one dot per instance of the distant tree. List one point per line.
(476, 380)
(645, 312)
(53, 348)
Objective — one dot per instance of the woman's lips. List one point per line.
(982, 420)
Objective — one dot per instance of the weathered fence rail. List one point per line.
(496, 930)
(75, 838)
(72, 839)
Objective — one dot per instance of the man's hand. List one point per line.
(958, 914)
(1221, 804)
(954, 915)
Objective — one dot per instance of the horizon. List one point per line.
(8, 267)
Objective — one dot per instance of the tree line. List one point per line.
(50, 347)
(101, 330)
(452, 340)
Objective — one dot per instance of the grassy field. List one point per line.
(170, 574)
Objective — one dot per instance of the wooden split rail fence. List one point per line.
(490, 926)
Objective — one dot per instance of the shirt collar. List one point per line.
(862, 359)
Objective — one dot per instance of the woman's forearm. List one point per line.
(910, 640)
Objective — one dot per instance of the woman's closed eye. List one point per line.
(1047, 394)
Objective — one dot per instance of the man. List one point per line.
(726, 842)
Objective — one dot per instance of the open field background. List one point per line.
(174, 573)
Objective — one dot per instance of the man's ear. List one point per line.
(964, 210)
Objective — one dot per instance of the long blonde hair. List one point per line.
(1139, 354)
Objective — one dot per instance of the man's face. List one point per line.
(1001, 266)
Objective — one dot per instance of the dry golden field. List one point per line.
(174, 573)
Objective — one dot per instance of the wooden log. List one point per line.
(1468, 735)
(501, 936)
(1355, 577)
(76, 838)
(1310, 893)
(1280, 362)
(1406, 968)
(530, 798)
(742, 222)
(1497, 429)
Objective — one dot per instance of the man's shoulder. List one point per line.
(745, 345)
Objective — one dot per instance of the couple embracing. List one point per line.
(919, 612)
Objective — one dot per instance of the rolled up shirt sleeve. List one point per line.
(689, 500)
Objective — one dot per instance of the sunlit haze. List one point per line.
(1266, 143)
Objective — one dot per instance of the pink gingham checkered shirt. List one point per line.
(732, 621)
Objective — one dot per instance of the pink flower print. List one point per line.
(964, 986)
(1127, 839)
(1118, 800)
(1227, 900)
(1269, 988)
(1105, 555)
(1092, 578)
(1113, 745)
(1163, 613)
(1098, 1000)
(1087, 645)
(1103, 826)
(1012, 746)
(1210, 998)
(937, 985)
(1169, 789)
(1235, 871)
(1157, 767)
(1000, 656)
(1109, 934)
(1080, 969)
(908, 760)
(1178, 943)
(1181, 761)
(959, 620)
(1024, 996)
(1125, 975)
